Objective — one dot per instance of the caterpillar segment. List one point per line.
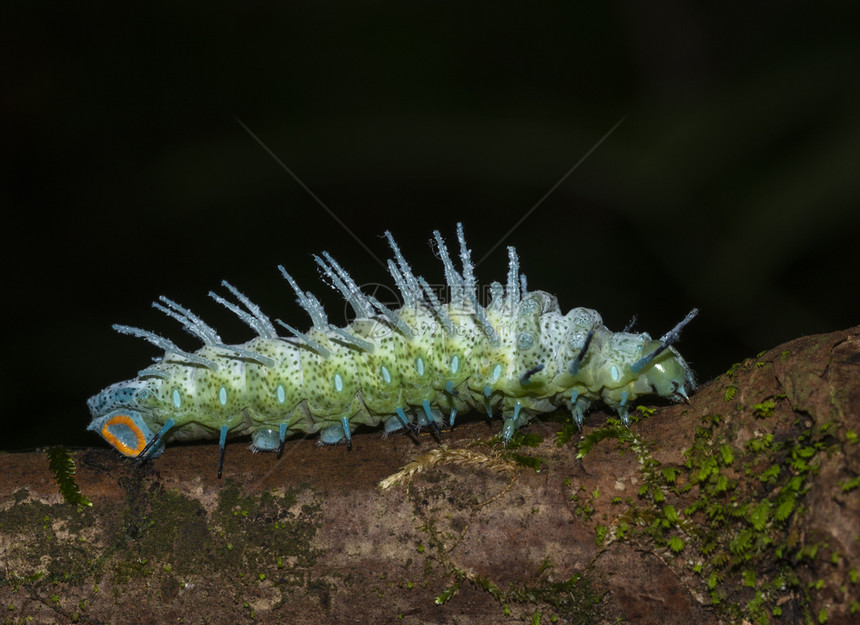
(417, 366)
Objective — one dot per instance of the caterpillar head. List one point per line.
(637, 365)
(119, 413)
(667, 375)
(661, 369)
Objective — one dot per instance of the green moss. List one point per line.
(566, 433)
(849, 485)
(670, 474)
(157, 538)
(727, 455)
(670, 514)
(529, 462)
(524, 439)
(62, 466)
(741, 524)
(764, 409)
(446, 595)
(612, 430)
(676, 544)
(770, 474)
(570, 599)
(264, 529)
(43, 540)
(734, 369)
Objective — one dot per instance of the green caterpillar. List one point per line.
(417, 366)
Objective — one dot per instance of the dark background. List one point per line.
(732, 184)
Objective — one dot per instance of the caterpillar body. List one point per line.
(419, 365)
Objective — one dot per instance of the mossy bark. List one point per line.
(742, 505)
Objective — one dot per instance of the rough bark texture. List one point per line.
(742, 506)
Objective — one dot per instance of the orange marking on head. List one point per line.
(110, 437)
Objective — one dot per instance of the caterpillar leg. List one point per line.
(282, 438)
(431, 419)
(622, 409)
(488, 394)
(345, 423)
(428, 417)
(406, 423)
(222, 444)
(400, 422)
(334, 434)
(269, 439)
(511, 423)
(391, 425)
(578, 407)
(154, 443)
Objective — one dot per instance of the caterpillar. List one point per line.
(418, 366)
